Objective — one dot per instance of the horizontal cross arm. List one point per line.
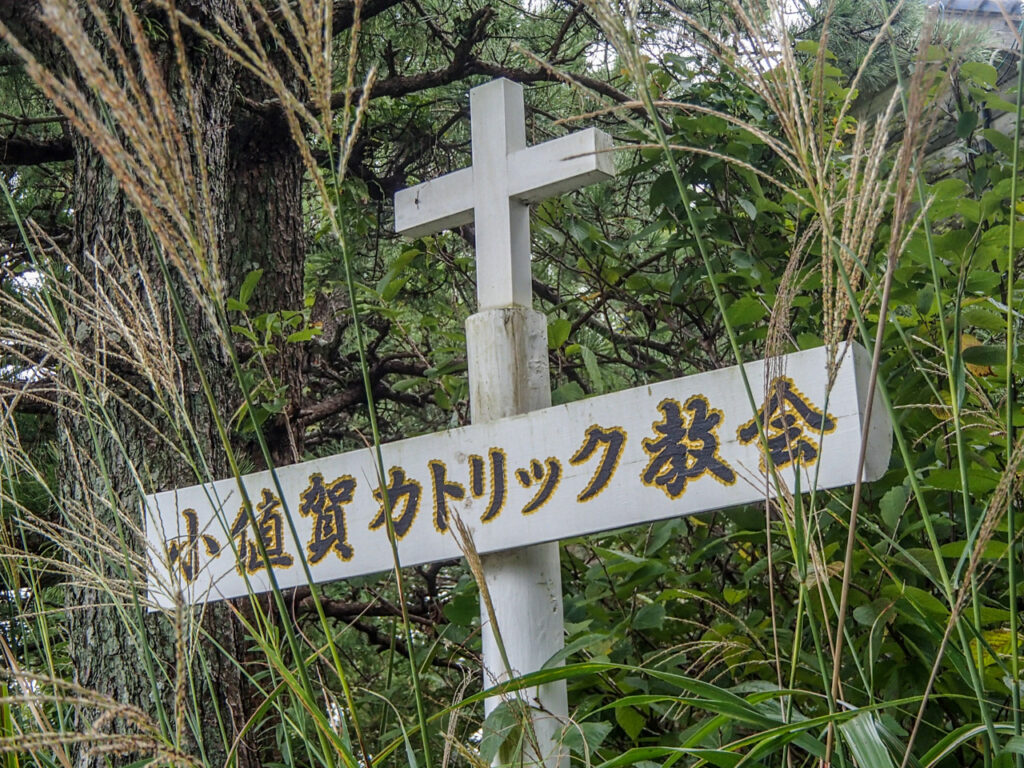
(560, 165)
(535, 173)
(442, 203)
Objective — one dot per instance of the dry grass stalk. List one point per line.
(147, 153)
(102, 321)
(39, 692)
(514, 700)
(811, 134)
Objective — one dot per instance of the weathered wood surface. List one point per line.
(544, 476)
(525, 584)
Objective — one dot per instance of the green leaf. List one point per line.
(979, 72)
(498, 728)
(392, 282)
(965, 734)
(865, 742)
(966, 124)
(892, 505)
(567, 393)
(305, 334)
(985, 354)
(638, 284)
(596, 642)
(984, 316)
(593, 370)
(865, 614)
(558, 332)
(630, 721)
(979, 480)
(441, 398)
(999, 236)
(999, 140)
(983, 282)
(745, 310)
(649, 617)
(733, 595)
(664, 192)
(463, 609)
(234, 305)
(243, 331)
(926, 603)
(248, 286)
(660, 534)
(993, 550)
(947, 189)
(748, 207)
(590, 733)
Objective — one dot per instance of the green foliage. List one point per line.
(733, 231)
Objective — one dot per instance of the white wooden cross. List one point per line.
(496, 192)
(507, 353)
(649, 453)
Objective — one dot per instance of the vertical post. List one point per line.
(507, 351)
(508, 375)
(498, 128)
(506, 346)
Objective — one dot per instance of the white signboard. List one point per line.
(660, 451)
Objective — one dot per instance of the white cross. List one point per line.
(496, 192)
(507, 355)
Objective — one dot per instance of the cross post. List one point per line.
(506, 343)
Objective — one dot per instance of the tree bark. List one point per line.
(116, 649)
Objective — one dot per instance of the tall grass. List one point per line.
(865, 204)
(124, 107)
(849, 201)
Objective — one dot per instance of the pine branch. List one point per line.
(344, 12)
(18, 151)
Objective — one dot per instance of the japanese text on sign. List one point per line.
(645, 454)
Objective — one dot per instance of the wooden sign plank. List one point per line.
(660, 451)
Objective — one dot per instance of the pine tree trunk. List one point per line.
(254, 176)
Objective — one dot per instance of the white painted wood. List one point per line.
(507, 357)
(502, 224)
(526, 589)
(508, 375)
(442, 203)
(507, 353)
(495, 192)
(560, 165)
(507, 350)
(535, 173)
(557, 433)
